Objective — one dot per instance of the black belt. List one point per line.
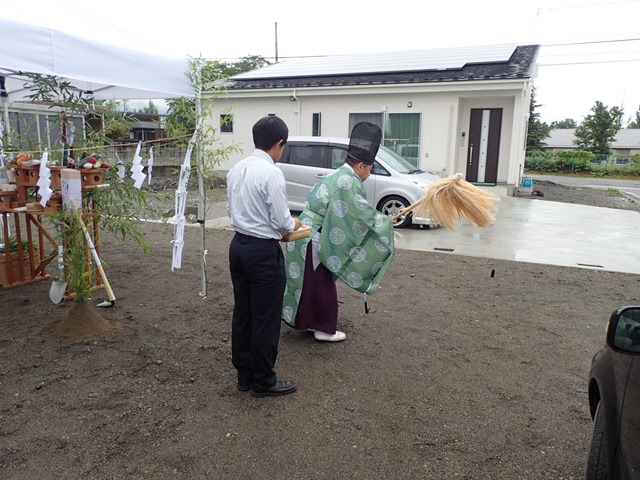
(251, 238)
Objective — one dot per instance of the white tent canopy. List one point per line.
(102, 70)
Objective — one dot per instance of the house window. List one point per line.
(622, 160)
(402, 135)
(315, 129)
(400, 132)
(142, 134)
(375, 118)
(226, 123)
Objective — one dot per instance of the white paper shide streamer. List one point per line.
(180, 206)
(71, 129)
(44, 182)
(136, 169)
(150, 165)
(120, 168)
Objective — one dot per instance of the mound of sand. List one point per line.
(82, 322)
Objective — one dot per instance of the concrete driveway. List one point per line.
(539, 231)
(535, 231)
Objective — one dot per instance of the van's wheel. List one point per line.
(391, 206)
(597, 463)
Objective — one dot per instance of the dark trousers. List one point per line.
(258, 276)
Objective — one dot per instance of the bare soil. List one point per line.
(469, 368)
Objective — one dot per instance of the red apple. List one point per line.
(92, 160)
(104, 165)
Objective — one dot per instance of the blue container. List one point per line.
(527, 182)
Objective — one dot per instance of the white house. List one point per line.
(447, 110)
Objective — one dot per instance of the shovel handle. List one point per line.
(92, 247)
(60, 256)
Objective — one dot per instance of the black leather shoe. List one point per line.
(244, 387)
(282, 387)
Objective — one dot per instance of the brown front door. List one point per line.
(485, 127)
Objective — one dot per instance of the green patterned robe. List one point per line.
(356, 241)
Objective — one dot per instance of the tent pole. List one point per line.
(5, 111)
(201, 203)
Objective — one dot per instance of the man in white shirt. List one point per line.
(257, 206)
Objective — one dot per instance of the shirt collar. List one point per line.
(262, 155)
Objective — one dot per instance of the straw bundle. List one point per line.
(452, 200)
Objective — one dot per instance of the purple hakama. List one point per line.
(318, 307)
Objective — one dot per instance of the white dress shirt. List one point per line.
(257, 198)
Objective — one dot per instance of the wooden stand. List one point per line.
(8, 201)
(27, 180)
(28, 264)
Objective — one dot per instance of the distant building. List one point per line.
(626, 142)
(34, 127)
(147, 127)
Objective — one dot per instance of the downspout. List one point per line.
(296, 111)
(524, 133)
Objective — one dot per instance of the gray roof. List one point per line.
(563, 138)
(416, 66)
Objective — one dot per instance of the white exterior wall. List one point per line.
(444, 108)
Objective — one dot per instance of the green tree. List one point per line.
(181, 119)
(246, 64)
(537, 130)
(113, 123)
(149, 109)
(566, 123)
(181, 112)
(635, 122)
(598, 130)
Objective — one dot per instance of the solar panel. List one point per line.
(403, 61)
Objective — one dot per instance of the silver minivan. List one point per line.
(393, 185)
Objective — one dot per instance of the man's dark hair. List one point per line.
(268, 131)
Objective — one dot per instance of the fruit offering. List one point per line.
(86, 161)
(92, 161)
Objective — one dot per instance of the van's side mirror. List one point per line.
(623, 332)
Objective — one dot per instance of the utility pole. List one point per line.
(276, 42)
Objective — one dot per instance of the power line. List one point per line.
(592, 42)
(588, 63)
(101, 20)
(601, 4)
(582, 54)
(586, 42)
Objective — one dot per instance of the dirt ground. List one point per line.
(459, 374)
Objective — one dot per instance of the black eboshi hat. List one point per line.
(364, 142)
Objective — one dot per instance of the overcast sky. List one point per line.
(590, 48)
